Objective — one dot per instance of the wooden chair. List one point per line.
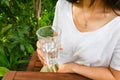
(34, 64)
(33, 73)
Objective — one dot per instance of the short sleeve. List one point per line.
(115, 62)
(57, 13)
(55, 20)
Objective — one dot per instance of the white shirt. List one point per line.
(96, 48)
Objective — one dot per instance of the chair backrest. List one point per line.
(34, 64)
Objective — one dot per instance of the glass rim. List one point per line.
(58, 31)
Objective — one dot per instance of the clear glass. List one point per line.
(49, 40)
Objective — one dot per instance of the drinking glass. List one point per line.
(49, 40)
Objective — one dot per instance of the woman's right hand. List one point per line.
(40, 53)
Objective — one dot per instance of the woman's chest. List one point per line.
(88, 48)
(82, 42)
(86, 21)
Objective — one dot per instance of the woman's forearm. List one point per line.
(95, 73)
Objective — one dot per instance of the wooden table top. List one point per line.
(27, 75)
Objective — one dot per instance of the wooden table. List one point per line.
(27, 75)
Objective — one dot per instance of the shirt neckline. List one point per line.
(97, 30)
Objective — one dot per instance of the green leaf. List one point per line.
(6, 29)
(29, 48)
(1, 49)
(5, 2)
(3, 58)
(3, 70)
(22, 47)
(4, 61)
(23, 61)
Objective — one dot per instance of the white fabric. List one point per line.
(97, 48)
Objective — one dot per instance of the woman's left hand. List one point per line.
(66, 68)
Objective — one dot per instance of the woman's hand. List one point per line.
(67, 68)
(40, 53)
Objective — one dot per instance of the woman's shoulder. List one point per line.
(62, 2)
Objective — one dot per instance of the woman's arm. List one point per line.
(115, 73)
(95, 73)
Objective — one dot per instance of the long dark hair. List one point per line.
(113, 4)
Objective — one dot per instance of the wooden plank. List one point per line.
(35, 66)
(34, 62)
(47, 76)
(38, 64)
(36, 69)
(9, 75)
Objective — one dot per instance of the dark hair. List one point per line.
(113, 4)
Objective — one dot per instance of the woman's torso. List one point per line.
(91, 48)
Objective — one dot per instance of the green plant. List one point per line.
(47, 13)
(18, 31)
(3, 70)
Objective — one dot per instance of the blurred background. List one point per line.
(19, 20)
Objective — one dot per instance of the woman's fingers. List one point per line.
(41, 57)
(60, 48)
(40, 53)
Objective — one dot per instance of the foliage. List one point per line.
(3, 71)
(47, 13)
(16, 24)
(17, 30)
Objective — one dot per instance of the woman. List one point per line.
(90, 38)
